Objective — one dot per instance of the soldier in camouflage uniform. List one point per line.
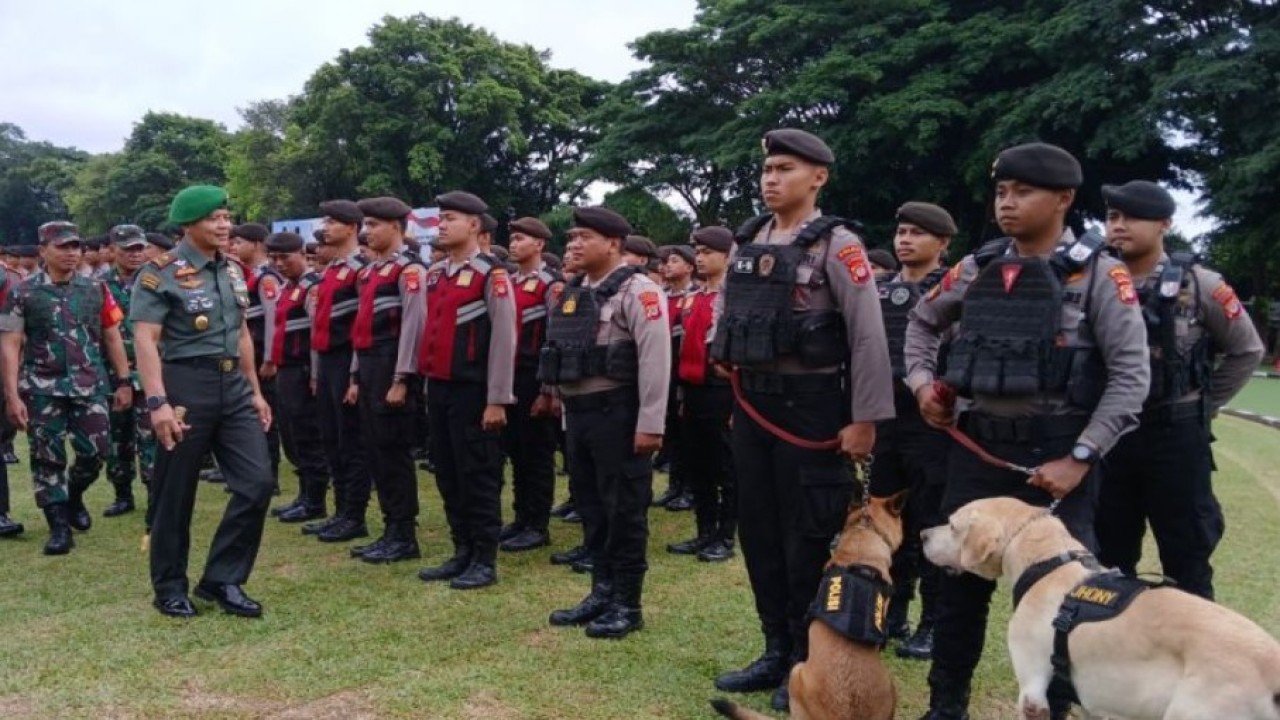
(56, 325)
(9, 281)
(132, 450)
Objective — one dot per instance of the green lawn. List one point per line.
(342, 639)
(1261, 395)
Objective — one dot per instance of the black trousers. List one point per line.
(268, 388)
(612, 486)
(530, 442)
(300, 430)
(468, 462)
(222, 419)
(1162, 473)
(707, 459)
(911, 456)
(965, 600)
(388, 434)
(340, 430)
(791, 501)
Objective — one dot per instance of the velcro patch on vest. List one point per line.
(745, 266)
(853, 601)
(855, 261)
(1225, 295)
(652, 304)
(1124, 284)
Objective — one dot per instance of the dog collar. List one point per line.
(1038, 571)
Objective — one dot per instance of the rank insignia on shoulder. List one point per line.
(164, 260)
(1124, 284)
(149, 281)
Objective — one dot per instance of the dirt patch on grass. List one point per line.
(485, 705)
(288, 570)
(17, 706)
(544, 639)
(346, 705)
(196, 697)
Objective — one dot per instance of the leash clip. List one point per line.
(1053, 506)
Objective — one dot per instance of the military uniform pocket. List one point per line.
(825, 492)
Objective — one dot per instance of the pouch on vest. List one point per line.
(821, 340)
(853, 601)
(622, 362)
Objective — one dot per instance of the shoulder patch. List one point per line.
(1225, 295)
(948, 280)
(270, 288)
(1124, 284)
(150, 281)
(499, 282)
(412, 279)
(855, 261)
(652, 302)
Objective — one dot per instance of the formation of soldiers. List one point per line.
(774, 368)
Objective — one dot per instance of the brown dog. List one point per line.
(842, 679)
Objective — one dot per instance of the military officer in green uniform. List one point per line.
(197, 365)
(56, 326)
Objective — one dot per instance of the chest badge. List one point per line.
(531, 285)
(744, 266)
(465, 277)
(900, 296)
(569, 307)
(202, 323)
(766, 265)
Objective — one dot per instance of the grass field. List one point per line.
(1261, 395)
(342, 639)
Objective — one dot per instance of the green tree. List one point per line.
(34, 178)
(649, 216)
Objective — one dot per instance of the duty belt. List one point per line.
(993, 428)
(1170, 414)
(221, 364)
(767, 383)
(628, 396)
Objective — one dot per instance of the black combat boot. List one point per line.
(623, 616)
(344, 530)
(482, 572)
(77, 514)
(9, 528)
(528, 538)
(123, 503)
(896, 625)
(449, 569)
(570, 556)
(60, 541)
(765, 672)
(359, 550)
(695, 544)
(401, 544)
(595, 604)
(920, 645)
(310, 504)
(948, 699)
(718, 550)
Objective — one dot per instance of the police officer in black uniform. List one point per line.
(1052, 351)
(264, 288)
(909, 454)
(1203, 350)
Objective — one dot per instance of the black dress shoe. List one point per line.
(477, 576)
(119, 507)
(447, 570)
(282, 509)
(689, 547)
(584, 566)
(9, 528)
(569, 557)
(511, 530)
(300, 513)
(344, 530)
(526, 539)
(315, 528)
(572, 517)
(178, 606)
(230, 598)
(393, 551)
(680, 503)
(718, 551)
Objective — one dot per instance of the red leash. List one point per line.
(774, 430)
(947, 396)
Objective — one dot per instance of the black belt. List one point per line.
(221, 364)
(618, 397)
(993, 428)
(1170, 414)
(767, 383)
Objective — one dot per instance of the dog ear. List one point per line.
(980, 545)
(896, 503)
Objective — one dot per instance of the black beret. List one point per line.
(160, 240)
(463, 202)
(640, 245)
(931, 217)
(253, 232)
(1038, 164)
(653, 264)
(806, 146)
(602, 220)
(384, 208)
(26, 251)
(487, 223)
(882, 258)
(684, 251)
(1140, 199)
(362, 238)
(318, 234)
(532, 227)
(285, 242)
(499, 252)
(312, 247)
(344, 211)
(552, 260)
(715, 237)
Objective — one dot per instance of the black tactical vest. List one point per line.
(758, 324)
(1010, 342)
(897, 298)
(1173, 373)
(853, 601)
(570, 352)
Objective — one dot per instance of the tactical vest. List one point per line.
(897, 298)
(53, 315)
(758, 324)
(571, 353)
(377, 320)
(695, 358)
(1010, 342)
(455, 343)
(336, 303)
(1174, 373)
(531, 308)
(291, 345)
(853, 601)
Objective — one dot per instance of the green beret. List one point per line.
(344, 211)
(715, 237)
(806, 146)
(684, 251)
(384, 208)
(253, 232)
(603, 220)
(463, 202)
(284, 242)
(1140, 199)
(1039, 164)
(533, 227)
(640, 245)
(930, 217)
(58, 232)
(196, 203)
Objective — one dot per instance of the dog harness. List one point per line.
(853, 600)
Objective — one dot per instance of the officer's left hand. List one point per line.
(647, 443)
(395, 395)
(264, 410)
(123, 398)
(858, 439)
(495, 417)
(1059, 477)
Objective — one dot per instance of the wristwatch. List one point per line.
(120, 382)
(155, 402)
(1085, 454)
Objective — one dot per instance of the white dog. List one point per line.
(1169, 656)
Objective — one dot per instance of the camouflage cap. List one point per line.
(127, 236)
(59, 232)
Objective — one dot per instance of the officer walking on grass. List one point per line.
(1203, 349)
(1052, 351)
(197, 364)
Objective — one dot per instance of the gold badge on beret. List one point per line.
(202, 322)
